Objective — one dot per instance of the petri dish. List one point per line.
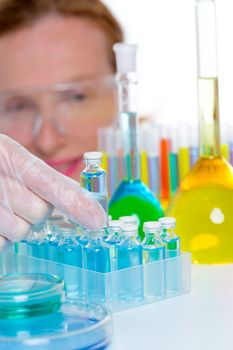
(37, 315)
(25, 295)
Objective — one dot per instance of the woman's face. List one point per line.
(56, 122)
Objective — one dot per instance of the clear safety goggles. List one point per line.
(23, 111)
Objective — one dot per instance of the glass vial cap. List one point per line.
(152, 227)
(115, 224)
(92, 157)
(130, 229)
(128, 219)
(168, 222)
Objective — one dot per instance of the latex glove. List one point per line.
(29, 189)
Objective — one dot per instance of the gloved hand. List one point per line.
(29, 189)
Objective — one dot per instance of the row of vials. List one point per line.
(116, 261)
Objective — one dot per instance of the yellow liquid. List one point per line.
(203, 207)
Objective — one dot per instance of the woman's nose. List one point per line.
(48, 136)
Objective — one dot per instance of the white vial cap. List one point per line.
(168, 222)
(130, 229)
(93, 157)
(125, 57)
(114, 223)
(128, 219)
(152, 226)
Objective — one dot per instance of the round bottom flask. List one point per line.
(34, 314)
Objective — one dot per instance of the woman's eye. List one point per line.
(17, 106)
(79, 97)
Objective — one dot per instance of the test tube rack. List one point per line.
(150, 282)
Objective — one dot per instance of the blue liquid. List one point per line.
(130, 281)
(135, 198)
(83, 240)
(70, 253)
(22, 247)
(112, 240)
(96, 257)
(41, 330)
(194, 155)
(96, 183)
(174, 172)
(53, 251)
(154, 175)
(112, 253)
(39, 250)
(154, 273)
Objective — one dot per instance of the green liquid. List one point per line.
(15, 311)
(134, 198)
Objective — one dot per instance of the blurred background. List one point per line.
(167, 68)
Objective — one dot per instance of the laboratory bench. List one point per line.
(200, 320)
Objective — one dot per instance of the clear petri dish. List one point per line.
(25, 295)
(68, 324)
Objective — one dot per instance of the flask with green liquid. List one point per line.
(203, 204)
(132, 197)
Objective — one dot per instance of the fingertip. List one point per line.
(96, 218)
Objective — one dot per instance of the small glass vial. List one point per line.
(130, 219)
(152, 245)
(38, 241)
(169, 237)
(173, 270)
(96, 258)
(153, 251)
(69, 251)
(114, 238)
(129, 257)
(94, 178)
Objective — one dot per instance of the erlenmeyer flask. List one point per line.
(203, 204)
(132, 197)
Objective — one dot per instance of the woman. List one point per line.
(57, 89)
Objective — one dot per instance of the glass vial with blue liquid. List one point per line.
(96, 258)
(129, 257)
(169, 237)
(94, 178)
(172, 251)
(153, 251)
(69, 252)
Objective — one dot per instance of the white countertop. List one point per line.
(200, 320)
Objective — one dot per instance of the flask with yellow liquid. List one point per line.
(203, 204)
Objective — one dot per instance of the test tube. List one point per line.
(143, 153)
(112, 159)
(102, 146)
(173, 161)
(183, 158)
(153, 161)
(224, 132)
(231, 144)
(164, 167)
(194, 145)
